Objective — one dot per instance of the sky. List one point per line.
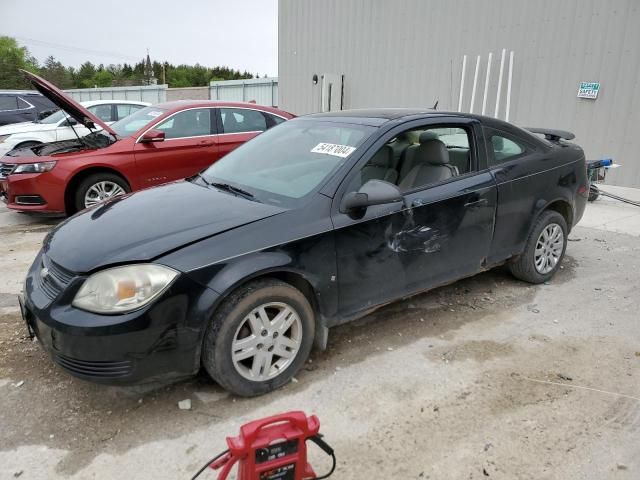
(241, 34)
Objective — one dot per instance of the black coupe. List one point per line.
(311, 224)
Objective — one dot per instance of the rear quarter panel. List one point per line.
(527, 186)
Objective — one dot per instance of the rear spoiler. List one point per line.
(553, 135)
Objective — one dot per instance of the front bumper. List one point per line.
(33, 192)
(159, 341)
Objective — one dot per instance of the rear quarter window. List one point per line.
(503, 147)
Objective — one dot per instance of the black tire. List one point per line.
(229, 318)
(89, 181)
(594, 193)
(523, 267)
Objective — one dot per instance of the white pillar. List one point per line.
(475, 83)
(504, 51)
(464, 69)
(506, 115)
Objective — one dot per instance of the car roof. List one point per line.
(91, 103)
(182, 104)
(379, 116)
(20, 92)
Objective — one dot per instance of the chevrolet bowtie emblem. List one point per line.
(44, 272)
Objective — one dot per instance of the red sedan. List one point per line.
(155, 145)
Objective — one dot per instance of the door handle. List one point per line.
(477, 203)
(206, 144)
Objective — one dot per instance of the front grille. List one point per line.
(55, 280)
(90, 368)
(6, 169)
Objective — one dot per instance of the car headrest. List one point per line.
(382, 157)
(498, 143)
(427, 135)
(433, 152)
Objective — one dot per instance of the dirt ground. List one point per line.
(486, 378)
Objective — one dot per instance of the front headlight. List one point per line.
(4, 137)
(122, 289)
(39, 167)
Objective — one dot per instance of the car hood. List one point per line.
(25, 127)
(66, 103)
(147, 224)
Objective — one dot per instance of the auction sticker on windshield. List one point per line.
(342, 151)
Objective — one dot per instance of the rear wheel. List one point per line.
(544, 250)
(259, 338)
(97, 188)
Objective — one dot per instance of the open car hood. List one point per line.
(66, 103)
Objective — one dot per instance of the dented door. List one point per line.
(447, 231)
(438, 235)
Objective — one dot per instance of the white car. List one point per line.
(58, 126)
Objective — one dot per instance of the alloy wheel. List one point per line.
(101, 191)
(266, 341)
(549, 248)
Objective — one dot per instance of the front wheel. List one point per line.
(259, 338)
(99, 187)
(544, 250)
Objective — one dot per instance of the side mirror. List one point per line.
(153, 136)
(71, 121)
(374, 192)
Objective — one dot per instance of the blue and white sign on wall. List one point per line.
(589, 90)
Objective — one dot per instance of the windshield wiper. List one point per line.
(232, 189)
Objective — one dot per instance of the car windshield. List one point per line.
(53, 118)
(134, 122)
(288, 162)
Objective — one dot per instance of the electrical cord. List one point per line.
(317, 439)
(333, 467)
(209, 463)
(616, 197)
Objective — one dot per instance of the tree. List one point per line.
(12, 58)
(103, 78)
(84, 77)
(56, 73)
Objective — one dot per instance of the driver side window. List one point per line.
(419, 157)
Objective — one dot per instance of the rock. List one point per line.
(294, 380)
(390, 349)
(19, 384)
(18, 473)
(210, 397)
(184, 404)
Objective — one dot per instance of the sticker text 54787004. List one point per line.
(342, 151)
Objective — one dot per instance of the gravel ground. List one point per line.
(486, 378)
